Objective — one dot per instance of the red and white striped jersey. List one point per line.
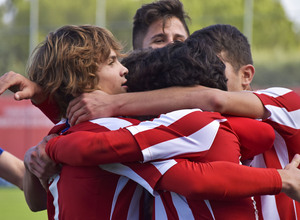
(284, 106)
(199, 136)
(91, 192)
(219, 143)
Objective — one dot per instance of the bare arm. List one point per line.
(35, 193)
(291, 179)
(99, 104)
(38, 170)
(12, 169)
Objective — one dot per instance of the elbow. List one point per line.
(36, 206)
(217, 102)
(36, 209)
(195, 191)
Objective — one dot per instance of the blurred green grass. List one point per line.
(13, 206)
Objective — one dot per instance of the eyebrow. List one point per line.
(163, 35)
(158, 35)
(113, 57)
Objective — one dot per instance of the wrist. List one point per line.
(285, 180)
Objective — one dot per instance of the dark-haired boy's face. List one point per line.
(158, 37)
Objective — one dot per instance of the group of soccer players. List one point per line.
(188, 159)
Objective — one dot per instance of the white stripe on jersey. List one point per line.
(268, 202)
(281, 150)
(295, 209)
(54, 191)
(120, 185)
(274, 91)
(120, 169)
(209, 208)
(123, 170)
(284, 117)
(164, 166)
(164, 119)
(134, 207)
(160, 211)
(201, 140)
(112, 123)
(269, 207)
(181, 206)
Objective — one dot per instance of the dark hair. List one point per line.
(174, 65)
(226, 39)
(149, 13)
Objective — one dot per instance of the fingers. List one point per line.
(294, 163)
(6, 81)
(24, 93)
(81, 118)
(49, 137)
(74, 105)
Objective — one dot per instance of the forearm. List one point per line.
(90, 149)
(219, 180)
(35, 194)
(208, 99)
(155, 102)
(12, 169)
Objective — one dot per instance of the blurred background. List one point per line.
(272, 27)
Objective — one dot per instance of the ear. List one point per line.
(248, 72)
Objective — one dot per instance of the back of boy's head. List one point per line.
(149, 13)
(65, 64)
(174, 65)
(227, 42)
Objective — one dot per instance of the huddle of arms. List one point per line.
(115, 103)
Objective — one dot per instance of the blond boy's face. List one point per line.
(111, 75)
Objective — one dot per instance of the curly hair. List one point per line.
(65, 64)
(149, 13)
(174, 65)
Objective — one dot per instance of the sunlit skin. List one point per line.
(158, 37)
(111, 75)
(238, 80)
(234, 79)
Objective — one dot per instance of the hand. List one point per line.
(22, 87)
(89, 106)
(290, 176)
(38, 163)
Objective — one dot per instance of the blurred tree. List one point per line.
(271, 28)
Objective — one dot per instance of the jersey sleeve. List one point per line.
(254, 136)
(50, 109)
(219, 180)
(163, 138)
(145, 174)
(84, 148)
(178, 134)
(284, 106)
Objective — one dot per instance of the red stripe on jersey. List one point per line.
(284, 106)
(284, 206)
(169, 206)
(146, 170)
(122, 206)
(196, 120)
(287, 101)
